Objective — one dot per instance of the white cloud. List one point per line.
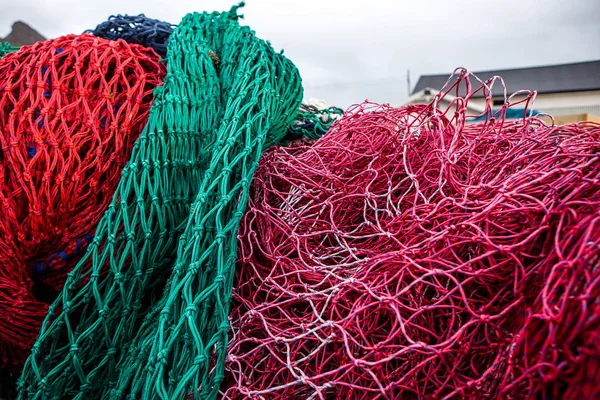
(351, 50)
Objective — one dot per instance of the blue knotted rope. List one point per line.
(137, 29)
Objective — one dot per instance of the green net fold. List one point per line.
(6, 48)
(144, 313)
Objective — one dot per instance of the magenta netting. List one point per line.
(406, 254)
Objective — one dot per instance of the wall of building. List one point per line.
(559, 100)
(563, 103)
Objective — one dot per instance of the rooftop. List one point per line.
(574, 77)
(22, 35)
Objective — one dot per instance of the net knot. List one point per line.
(200, 359)
(165, 312)
(303, 380)
(67, 307)
(161, 358)
(191, 310)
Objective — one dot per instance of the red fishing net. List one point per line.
(70, 112)
(407, 255)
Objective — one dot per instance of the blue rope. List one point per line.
(509, 113)
(137, 29)
(41, 267)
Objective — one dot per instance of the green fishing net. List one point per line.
(144, 313)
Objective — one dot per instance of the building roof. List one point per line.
(22, 35)
(575, 77)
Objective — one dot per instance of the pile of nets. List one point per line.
(144, 313)
(408, 255)
(137, 29)
(70, 111)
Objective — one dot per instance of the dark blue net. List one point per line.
(137, 29)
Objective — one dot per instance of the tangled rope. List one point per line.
(312, 122)
(70, 111)
(408, 255)
(137, 29)
(144, 313)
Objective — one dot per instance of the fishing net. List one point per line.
(144, 313)
(6, 48)
(312, 122)
(137, 29)
(70, 110)
(408, 255)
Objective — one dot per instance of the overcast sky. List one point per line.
(348, 51)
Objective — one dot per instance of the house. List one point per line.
(562, 90)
